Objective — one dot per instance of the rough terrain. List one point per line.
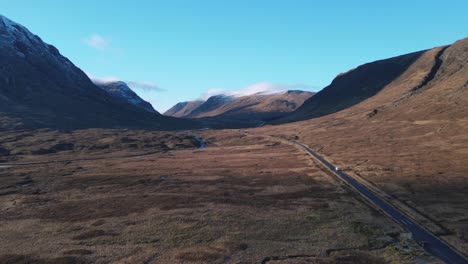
(244, 199)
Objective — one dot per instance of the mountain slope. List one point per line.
(41, 88)
(383, 88)
(121, 91)
(183, 109)
(409, 140)
(353, 87)
(255, 106)
(210, 106)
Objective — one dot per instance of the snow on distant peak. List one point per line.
(261, 88)
(106, 80)
(16, 39)
(8, 23)
(122, 91)
(17, 31)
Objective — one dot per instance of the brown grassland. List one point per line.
(134, 196)
(410, 140)
(246, 198)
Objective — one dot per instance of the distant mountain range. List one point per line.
(183, 109)
(41, 88)
(260, 107)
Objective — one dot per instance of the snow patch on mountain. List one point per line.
(121, 91)
(18, 37)
(17, 41)
(261, 88)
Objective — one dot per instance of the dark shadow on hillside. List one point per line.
(353, 87)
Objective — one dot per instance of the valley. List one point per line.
(244, 198)
(372, 168)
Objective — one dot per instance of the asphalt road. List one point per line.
(425, 238)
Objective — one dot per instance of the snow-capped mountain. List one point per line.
(121, 91)
(262, 106)
(18, 43)
(41, 88)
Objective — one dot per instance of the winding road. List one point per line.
(425, 238)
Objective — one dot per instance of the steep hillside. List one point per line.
(410, 139)
(429, 84)
(41, 88)
(353, 87)
(121, 91)
(183, 109)
(211, 106)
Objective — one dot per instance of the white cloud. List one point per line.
(101, 80)
(143, 85)
(96, 41)
(104, 80)
(211, 92)
(257, 88)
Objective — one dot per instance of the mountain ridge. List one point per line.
(123, 92)
(268, 105)
(39, 87)
(417, 73)
(352, 87)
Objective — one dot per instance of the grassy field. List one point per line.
(420, 164)
(244, 199)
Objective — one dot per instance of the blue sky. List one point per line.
(174, 50)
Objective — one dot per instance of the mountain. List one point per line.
(386, 84)
(121, 91)
(409, 139)
(211, 106)
(256, 106)
(183, 108)
(434, 87)
(354, 86)
(41, 88)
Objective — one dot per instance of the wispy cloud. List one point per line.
(133, 84)
(96, 41)
(211, 92)
(101, 80)
(144, 85)
(104, 80)
(258, 88)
